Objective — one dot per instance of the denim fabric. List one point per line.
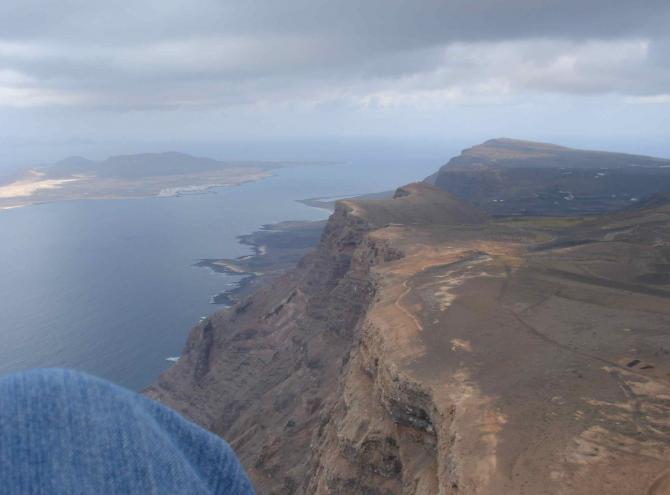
(63, 432)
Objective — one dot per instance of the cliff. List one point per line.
(424, 348)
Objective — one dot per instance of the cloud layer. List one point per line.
(163, 54)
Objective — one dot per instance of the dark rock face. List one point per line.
(508, 177)
(263, 374)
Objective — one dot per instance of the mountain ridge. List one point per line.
(514, 152)
(142, 165)
(514, 177)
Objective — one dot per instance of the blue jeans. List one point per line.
(63, 432)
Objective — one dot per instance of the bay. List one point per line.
(109, 287)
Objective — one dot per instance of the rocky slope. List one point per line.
(426, 349)
(511, 177)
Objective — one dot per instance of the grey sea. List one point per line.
(109, 287)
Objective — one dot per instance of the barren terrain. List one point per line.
(425, 349)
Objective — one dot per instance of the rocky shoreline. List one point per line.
(277, 248)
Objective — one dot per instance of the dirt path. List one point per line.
(407, 313)
(408, 288)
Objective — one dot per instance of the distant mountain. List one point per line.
(154, 164)
(72, 165)
(138, 165)
(512, 177)
(513, 153)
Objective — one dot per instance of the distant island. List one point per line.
(130, 176)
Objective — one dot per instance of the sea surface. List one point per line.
(109, 287)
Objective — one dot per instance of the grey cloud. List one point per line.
(153, 53)
(396, 22)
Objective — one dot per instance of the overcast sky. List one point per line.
(94, 77)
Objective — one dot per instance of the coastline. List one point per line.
(276, 248)
(53, 184)
(127, 191)
(328, 203)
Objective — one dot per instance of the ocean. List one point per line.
(109, 286)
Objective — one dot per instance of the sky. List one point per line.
(298, 78)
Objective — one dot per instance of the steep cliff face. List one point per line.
(424, 353)
(269, 374)
(264, 373)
